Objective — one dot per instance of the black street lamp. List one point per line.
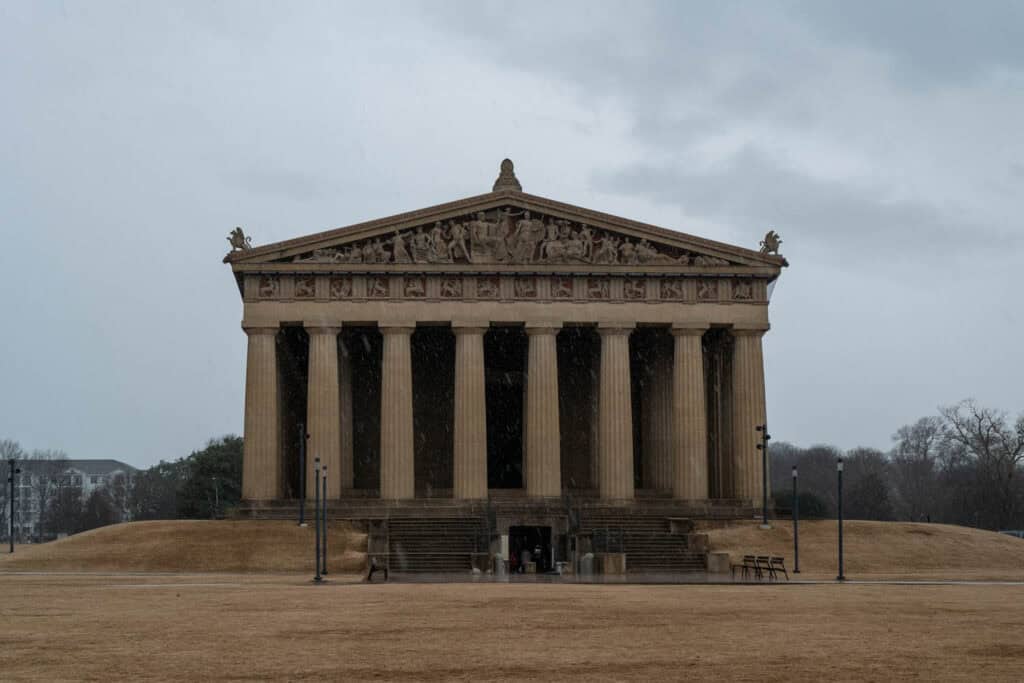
(796, 526)
(216, 497)
(839, 474)
(323, 525)
(302, 473)
(763, 447)
(10, 480)
(316, 515)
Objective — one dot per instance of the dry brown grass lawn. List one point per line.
(881, 549)
(197, 628)
(193, 546)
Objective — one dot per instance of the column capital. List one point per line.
(253, 330)
(689, 329)
(461, 329)
(542, 327)
(612, 329)
(322, 328)
(405, 329)
(748, 330)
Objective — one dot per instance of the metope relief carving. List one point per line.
(561, 288)
(341, 287)
(451, 287)
(598, 288)
(508, 236)
(416, 286)
(742, 290)
(672, 290)
(634, 288)
(378, 287)
(488, 287)
(525, 287)
(305, 287)
(707, 290)
(269, 287)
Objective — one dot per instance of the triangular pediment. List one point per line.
(505, 229)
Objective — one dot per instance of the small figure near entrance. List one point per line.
(374, 567)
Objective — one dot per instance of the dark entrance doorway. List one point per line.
(532, 543)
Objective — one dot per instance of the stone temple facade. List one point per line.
(506, 358)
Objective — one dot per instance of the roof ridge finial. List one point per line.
(507, 178)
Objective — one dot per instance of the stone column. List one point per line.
(657, 420)
(615, 440)
(543, 436)
(748, 411)
(397, 474)
(345, 390)
(261, 459)
(323, 407)
(470, 438)
(689, 416)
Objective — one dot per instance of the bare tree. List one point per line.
(997, 449)
(915, 464)
(42, 473)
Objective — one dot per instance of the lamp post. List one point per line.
(302, 473)
(796, 527)
(10, 480)
(323, 525)
(216, 497)
(839, 475)
(763, 447)
(316, 515)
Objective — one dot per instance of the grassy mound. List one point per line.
(194, 546)
(877, 549)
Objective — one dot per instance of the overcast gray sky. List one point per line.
(882, 140)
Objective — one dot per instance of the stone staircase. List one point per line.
(434, 544)
(650, 544)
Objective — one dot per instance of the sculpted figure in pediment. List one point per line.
(399, 250)
(457, 242)
(420, 246)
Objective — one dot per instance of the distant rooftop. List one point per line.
(86, 466)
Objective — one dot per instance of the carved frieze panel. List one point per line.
(673, 289)
(635, 288)
(707, 290)
(488, 287)
(378, 287)
(305, 287)
(340, 287)
(525, 287)
(451, 287)
(269, 287)
(511, 236)
(742, 290)
(415, 286)
(561, 287)
(598, 288)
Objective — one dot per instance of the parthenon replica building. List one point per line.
(506, 353)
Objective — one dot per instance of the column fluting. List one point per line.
(657, 419)
(689, 410)
(347, 434)
(615, 445)
(470, 433)
(543, 435)
(261, 452)
(323, 407)
(748, 411)
(397, 474)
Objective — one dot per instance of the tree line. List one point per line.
(202, 485)
(961, 466)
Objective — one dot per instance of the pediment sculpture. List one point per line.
(507, 236)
